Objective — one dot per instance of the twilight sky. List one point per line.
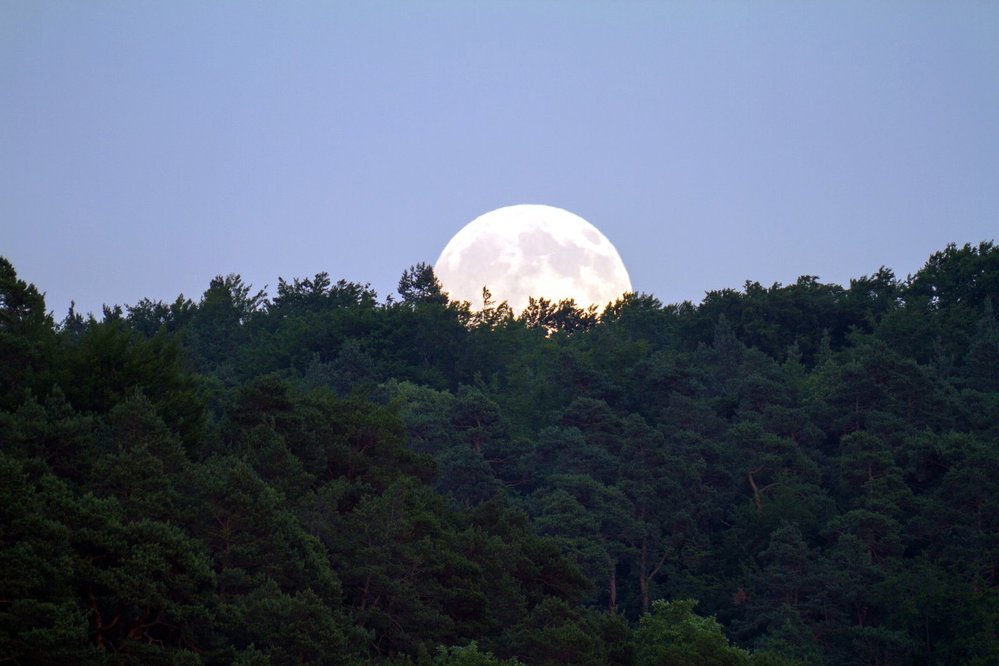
(146, 147)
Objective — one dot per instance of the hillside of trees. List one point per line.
(794, 474)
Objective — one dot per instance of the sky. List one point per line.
(146, 147)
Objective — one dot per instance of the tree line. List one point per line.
(802, 473)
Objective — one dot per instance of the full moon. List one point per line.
(532, 250)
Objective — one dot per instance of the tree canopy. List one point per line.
(802, 473)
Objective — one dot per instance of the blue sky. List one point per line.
(146, 147)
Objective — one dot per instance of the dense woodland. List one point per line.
(803, 473)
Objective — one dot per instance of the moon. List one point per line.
(532, 250)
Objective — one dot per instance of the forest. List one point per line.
(789, 474)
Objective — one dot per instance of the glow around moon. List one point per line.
(532, 250)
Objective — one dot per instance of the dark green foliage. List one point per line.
(323, 478)
(419, 286)
(26, 338)
(40, 618)
(469, 655)
(673, 634)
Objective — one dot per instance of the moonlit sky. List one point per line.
(146, 147)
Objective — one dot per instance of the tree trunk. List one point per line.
(756, 491)
(645, 576)
(612, 584)
(643, 582)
